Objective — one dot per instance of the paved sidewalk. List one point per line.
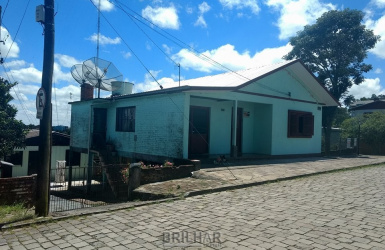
(341, 210)
(249, 173)
(236, 175)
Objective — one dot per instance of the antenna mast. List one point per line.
(1, 41)
(97, 49)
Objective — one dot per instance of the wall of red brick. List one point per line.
(18, 190)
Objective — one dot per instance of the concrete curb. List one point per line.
(257, 183)
(97, 210)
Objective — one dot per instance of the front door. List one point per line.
(33, 162)
(199, 130)
(99, 128)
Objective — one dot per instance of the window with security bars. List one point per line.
(300, 124)
(125, 119)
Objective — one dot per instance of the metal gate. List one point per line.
(70, 188)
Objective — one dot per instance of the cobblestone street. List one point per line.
(343, 210)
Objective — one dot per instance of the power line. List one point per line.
(130, 48)
(182, 44)
(5, 9)
(149, 37)
(17, 96)
(17, 32)
(177, 41)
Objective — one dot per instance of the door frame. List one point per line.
(99, 137)
(199, 140)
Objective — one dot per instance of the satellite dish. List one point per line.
(78, 74)
(102, 74)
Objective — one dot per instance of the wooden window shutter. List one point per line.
(308, 125)
(293, 123)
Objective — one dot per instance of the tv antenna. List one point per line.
(102, 74)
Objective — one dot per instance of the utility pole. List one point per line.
(45, 136)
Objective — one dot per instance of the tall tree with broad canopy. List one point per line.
(12, 131)
(334, 49)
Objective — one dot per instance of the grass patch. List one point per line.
(14, 213)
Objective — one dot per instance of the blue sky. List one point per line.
(238, 34)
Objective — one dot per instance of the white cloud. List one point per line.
(241, 4)
(15, 64)
(67, 61)
(201, 22)
(27, 89)
(378, 71)
(378, 3)
(148, 46)
(167, 49)
(29, 74)
(296, 14)
(126, 54)
(29, 79)
(149, 83)
(203, 8)
(166, 18)
(367, 88)
(105, 5)
(59, 75)
(189, 10)
(378, 28)
(10, 47)
(61, 110)
(103, 40)
(231, 58)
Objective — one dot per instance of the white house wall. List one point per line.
(58, 153)
(220, 124)
(22, 170)
(280, 84)
(266, 130)
(256, 136)
(281, 143)
(80, 118)
(159, 126)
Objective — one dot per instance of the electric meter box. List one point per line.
(40, 13)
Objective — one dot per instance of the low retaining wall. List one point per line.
(18, 190)
(152, 175)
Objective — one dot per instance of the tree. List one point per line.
(12, 131)
(334, 49)
(349, 100)
(340, 116)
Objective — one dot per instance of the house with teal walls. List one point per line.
(273, 110)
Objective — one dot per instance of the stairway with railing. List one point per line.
(112, 171)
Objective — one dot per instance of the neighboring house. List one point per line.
(278, 111)
(5, 169)
(26, 160)
(367, 107)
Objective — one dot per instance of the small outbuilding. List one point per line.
(26, 160)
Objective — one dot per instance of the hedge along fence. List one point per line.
(18, 190)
